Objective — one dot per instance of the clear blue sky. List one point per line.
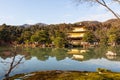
(18, 12)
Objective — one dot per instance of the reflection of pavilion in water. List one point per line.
(60, 54)
(76, 51)
(77, 54)
(111, 55)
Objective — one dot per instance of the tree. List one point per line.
(89, 37)
(5, 33)
(34, 38)
(104, 4)
(60, 39)
(114, 35)
(25, 36)
(101, 34)
(40, 36)
(59, 42)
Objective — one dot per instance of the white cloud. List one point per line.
(67, 15)
(30, 21)
(97, 17)
(5, 19)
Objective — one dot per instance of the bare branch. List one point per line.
(17, 63)
(103, 3)
(117, 1)
(12, 66)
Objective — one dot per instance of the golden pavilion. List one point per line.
(75, 36)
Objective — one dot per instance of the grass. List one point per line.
(67, 75)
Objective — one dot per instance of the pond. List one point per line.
(41, 59)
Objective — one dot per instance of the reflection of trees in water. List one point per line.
(100, 52)
(12, 63)
(44, 53)
(89, 55)
(115, 49)
(40, 53)
(60, 53)
(7, 52)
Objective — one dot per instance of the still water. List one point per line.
(40, 59)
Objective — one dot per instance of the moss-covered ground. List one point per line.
(67, 75)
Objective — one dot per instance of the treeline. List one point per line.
(39, 34)
(104, 33)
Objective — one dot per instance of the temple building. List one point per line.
(75, 36)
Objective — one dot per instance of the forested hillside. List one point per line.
(102, 32)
